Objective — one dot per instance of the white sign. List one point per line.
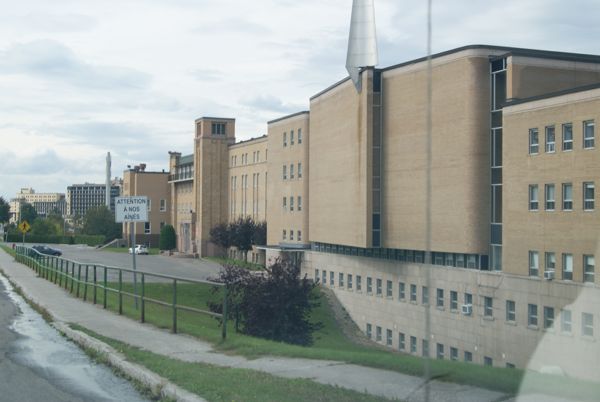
(131, 209)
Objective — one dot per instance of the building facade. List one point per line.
(81, 197)
(43, 203)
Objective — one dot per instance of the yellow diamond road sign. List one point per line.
(24, 227)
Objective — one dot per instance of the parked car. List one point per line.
(139, 249)
(47, 250)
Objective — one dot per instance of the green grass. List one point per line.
(125, 250)
(216, 383)
(237, 263)
(8, 250)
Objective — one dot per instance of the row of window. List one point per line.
(347, 282)
(244, 158)
(285, 137)
(285, 171)
(588, 198)
(291, 199)
(567, 137)
(298, 235)
(588, 265)
(217, 129)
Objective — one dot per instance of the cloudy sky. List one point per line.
(79, 78)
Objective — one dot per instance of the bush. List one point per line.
(168, 238)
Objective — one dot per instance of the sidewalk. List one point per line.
(67, 309)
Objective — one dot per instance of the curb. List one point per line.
(156, 383)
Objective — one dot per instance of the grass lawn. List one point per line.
(125, 250)
(237, 263)
(216, 383)
(9, 250)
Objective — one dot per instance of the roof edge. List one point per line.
(289, 116)
(589, 87)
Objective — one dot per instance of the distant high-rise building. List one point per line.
(81, 197)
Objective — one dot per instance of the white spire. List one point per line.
(362, 42)
(108, 186)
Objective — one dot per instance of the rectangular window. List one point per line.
(218, 128)
(468, 357)
(341, 279)
(532, 315)
(548, 317)
(534, 142)
(468, 298)
(401, 290)
(550, 197)
(413, 293)
(588, 196)
(378, 333)
(299, 203)
(369, 331)
(324, 276)
(316, 275)
(349, 281)
(439, 301)
(285, 139)
(510, 311)
(587, 324)
(299, 136)
(299, 170)
(284, 203)
(565, 321)
(292, 203)
(401, 341)
(425, 348)
(369, 285)
(389, 289)
(379, 285)
(588, 268)
(534, 263)
(291, 235)
(550, 262)
(453, 300)
(163, 205)
(533, 197)
(149, 205)
(388, 337)
(284, 234)
(291, 171)
(588, 134)
(413, 344)
(299, 235)
(291, 137)
(567, 262)
(567, 197)
(358, 283)
(331, 278)
(550, 139)
(424, 295)
(147, 228)
(440, 351)
(487, 361)
(284, 172)
(488, 307)
(453, 354)
(567, 137)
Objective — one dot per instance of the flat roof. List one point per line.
(262, 137)
(289, 116)
(214, 118)
(186, 159)
(583, 88)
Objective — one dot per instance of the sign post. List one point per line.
(24, 227)
(132, 210)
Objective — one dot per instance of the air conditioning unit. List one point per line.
(549, 275)
(467, 309)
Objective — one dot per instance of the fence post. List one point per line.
(224, 334)
(105, 291)
(72, 275)
(142, 302)
(174, 306)
(87, 268)
(78, 278)
(95, 283)
(120, 290)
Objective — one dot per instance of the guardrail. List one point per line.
(73, 275)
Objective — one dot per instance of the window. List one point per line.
(567, 139)
(548, 317)
(299, 136)
(550, 199)
(331, 278)
(358, 283)
(284, 174)
(147, 227)
(534, 263)
(388, 337)
(487, 361)
(324, 276)
(453, 300)
(369, 285)
(291, 171)
(567, 261)
(378, 333)
(413, 344)
(439, 301)
(453, 353)
(369, 330)
(550, 139)
(565, 321)
(163, 205)
(424, 295)
(468, 356)
(291, 235)
(299, 235)
(567, 197)
(587, 324)
(488, 307)
(299, 203)
(510, 311)
(440, 351)
(588, 134)
(284, 203)
(316, 275)
(401, 341)
(550, 262)
(534, 143)
(588, 268)
(341, 279)
(149, 205)
(588, 196)
(401, 290)
(379, 285)
(285, 139)
(425, 348)
(532, 317)
(389, 289)
(468, 298)
(413, 293)
(218, 128)
(349, 281)
(533, 197)
(291, 137)
(284, 235)
(258, 156)
(291, 203)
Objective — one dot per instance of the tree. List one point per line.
(28, 213)
(221, 235)
(101, 221)
(44, 227)
(168, 238)
(260, 234)
(242, 234)
(274, 306)
(4, 211)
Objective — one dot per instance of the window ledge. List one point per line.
(488, 318)
(389, 297)
(588, 338)
(441, 308)
(533, 327)
(512, 323)
(455, 311)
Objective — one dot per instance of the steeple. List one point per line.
(362, 41)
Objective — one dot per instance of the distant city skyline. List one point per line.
(79, 79)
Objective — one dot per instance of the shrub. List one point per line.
(168, 238)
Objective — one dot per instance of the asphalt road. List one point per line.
(37, 364)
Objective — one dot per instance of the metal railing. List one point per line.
(77, 277)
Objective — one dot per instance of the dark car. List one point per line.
(47, 250)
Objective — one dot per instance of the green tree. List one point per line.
(4, 211)
(168, 238)
(242, 234)
(260, 234)
(28, 213)
(221, 235)
(101, 221)
(44, 227)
